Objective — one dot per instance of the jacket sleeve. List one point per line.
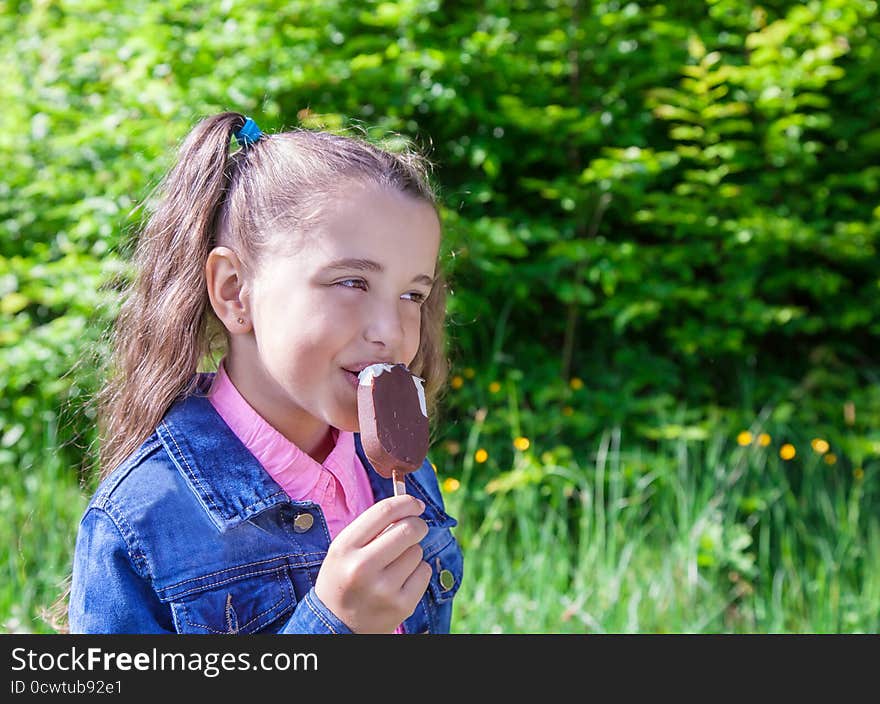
(108, 593)
(311, 616)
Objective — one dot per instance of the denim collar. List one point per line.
(228, 480)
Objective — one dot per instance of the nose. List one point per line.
(384, 326)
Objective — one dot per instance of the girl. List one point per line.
(241, 501)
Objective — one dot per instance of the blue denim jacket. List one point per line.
(191, 535)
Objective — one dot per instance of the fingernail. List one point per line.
(421, 505)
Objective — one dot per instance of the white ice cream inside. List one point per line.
(420, 387)
(365, 378)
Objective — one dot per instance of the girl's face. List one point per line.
(349, 296)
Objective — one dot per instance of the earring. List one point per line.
(241, 321)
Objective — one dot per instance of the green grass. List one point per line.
(685, 531)
(688, 536)
(41, 504)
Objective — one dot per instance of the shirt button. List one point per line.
(447, 580)
(303, 522)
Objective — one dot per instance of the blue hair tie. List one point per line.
(248, 134)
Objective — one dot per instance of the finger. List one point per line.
(395, 540)
(416, 584)
(364, 529)
(402, 568)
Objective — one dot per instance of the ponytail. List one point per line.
(160, 335)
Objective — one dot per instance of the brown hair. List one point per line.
(166, 327)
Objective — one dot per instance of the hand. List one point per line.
(374, 575)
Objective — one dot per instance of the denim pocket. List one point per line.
(244, 599)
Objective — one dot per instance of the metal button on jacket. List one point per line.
(447, 580)
(302, 522)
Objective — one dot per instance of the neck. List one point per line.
(309, 434)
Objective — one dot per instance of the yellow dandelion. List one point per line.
(568, 411)
(453, 447)
(744, 438)
(481, 456)
(819, 446)
(521, 444)
(494, 387)
(830, 458)
(457, 382)
(469, 373)
(763, 439)
(859, 474)
(575, 383)
(451, 484)
(787, 451)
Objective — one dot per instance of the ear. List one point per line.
(224, 274)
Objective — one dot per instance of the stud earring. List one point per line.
(241, 321)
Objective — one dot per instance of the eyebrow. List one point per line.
(370, 265)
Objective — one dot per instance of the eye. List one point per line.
(416, 297)
(358, 283)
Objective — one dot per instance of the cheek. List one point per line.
(290, 332)
(412, 334)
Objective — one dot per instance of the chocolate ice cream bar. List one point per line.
(393, 420)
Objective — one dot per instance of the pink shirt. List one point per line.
(339, 486)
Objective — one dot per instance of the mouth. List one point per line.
(360, 366)
(352, 376)
(353, 372)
